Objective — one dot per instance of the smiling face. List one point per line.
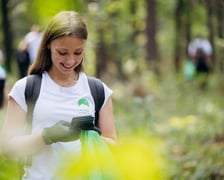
(66, 54)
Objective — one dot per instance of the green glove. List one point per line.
(84, 123)
(60, 131)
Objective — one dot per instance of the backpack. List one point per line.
(201, 64)
(32, 91)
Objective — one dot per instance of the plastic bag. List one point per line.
(189, 69)
(96, 162)
(97, 157)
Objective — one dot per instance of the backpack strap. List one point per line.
(32, 91)
(97, 91)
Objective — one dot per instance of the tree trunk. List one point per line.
(210, 25)
(151, 46)
(101, 56)
(178, 30)
(188, 24)
(7, 35)
(220, 18)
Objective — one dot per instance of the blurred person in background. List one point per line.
(22, 58)
(2, 81)
(33, 39)
(200, 53)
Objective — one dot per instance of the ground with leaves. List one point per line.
(169, 118)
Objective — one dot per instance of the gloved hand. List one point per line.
(84, 123)
(60, 131)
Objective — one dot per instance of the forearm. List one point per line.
(14, 142)
(20, 146)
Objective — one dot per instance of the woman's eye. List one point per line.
(62, 53)
(78, 53)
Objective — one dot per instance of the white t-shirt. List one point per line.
(55, 103)
(33, 40)
(2, 73)
(199, 43)
(1, 56)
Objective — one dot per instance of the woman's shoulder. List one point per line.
(19, 86)
(17, 92)
(20, 82)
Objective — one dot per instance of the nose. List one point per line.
(71, 58)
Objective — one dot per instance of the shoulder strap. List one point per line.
(97, 91)
(32, 91)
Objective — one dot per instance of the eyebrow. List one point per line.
(64, 49)
(79, 49)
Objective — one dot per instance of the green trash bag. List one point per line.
(96, 162)
(189, 70)
(98, 156)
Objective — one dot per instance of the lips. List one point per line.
(67, 67)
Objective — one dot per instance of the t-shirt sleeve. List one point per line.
(17, 93)
(108, 92)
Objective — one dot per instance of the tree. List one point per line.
(7, 33)
(151, 29)
(179, 33)
(101, 56)
(209, 5)
(183, 30)
(220, 27)
(220, 18)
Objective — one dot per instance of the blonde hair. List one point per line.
(65, 23)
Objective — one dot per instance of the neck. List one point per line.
(64, 80)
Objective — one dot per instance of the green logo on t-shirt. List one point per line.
(83, 101)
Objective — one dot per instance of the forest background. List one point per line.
(138, 48)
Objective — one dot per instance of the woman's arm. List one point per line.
(15, 142)
(106, 123)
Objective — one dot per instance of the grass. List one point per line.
(187, 118)
(167, 118)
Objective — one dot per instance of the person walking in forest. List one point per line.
(2, 86)
(200, 53)
(33, 39)
(22, 58)
(2, 81)
(64, 94)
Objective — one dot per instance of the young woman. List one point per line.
(59, 62)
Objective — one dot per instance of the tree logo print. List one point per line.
(83, 101)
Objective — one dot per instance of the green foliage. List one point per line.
(44, 10)
(101, 162)
(189, 119)
(168, 118)
(8, 169)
